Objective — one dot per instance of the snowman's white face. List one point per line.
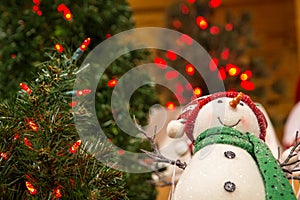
(218, 113)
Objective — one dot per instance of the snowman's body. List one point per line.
(230, 160)
(220, 172)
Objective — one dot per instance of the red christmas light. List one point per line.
(246, 75)
(222, 73)
(170, 105)
(30, 188)
(186, 39)
(59, 48)
(121, 152)
(57, 192)
(65, 10)
(25, 88)
(190, 69)
(108, 35)
(213, 65)
(185, 9)
(72, 104)
(171, 55)
(35, 8)
(171, 74)
(232, 70)
(27, 143)
(16, 136)
(214, 30)
(62, 8)
(247, 85)
(229, 27)
(68, 16)
(161, 63)
(83, 92)
(85, 44)
(197, 91)
(112, 83)
(32, 125)
(202, 22)
(13, 56)
(225, 54)
(214, 3)
(177, 24)
(75, 146)
(4, 155)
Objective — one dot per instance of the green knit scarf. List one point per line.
(276, 184)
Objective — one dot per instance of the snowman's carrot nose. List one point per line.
(235, 101)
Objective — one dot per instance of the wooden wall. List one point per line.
(275, 25)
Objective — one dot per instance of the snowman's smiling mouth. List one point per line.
(230, 126)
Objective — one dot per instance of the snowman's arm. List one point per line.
(157, 155)
(290, 161)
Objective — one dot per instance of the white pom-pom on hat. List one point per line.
(175, 129)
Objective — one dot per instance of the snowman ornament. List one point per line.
(230, 159)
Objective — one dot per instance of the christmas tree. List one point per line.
(41, 154)
(27, 30)
(28, 27)
(228, 40)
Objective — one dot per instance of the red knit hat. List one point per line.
(191, 111)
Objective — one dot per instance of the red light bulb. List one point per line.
(161, 63)
(83, 92)
(112, 83)
(225, 54)
(85, 44)
(30, 188)
(246, 75)
(247, 85)
(232, 70)
(68, 16)
(229, 27)
(171, 55)
(27, 143)
(190, 69)
(202, 22)
(4, 155)
(59, 48)
(32, 125)
(25, 88)
(214, 30)
(75, 146)
(197, 91)
(170, 106)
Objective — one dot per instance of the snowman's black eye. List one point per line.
(220, 101)
(241, 104)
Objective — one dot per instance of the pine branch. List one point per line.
(156, 155)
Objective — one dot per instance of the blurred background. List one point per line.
(274, 26)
